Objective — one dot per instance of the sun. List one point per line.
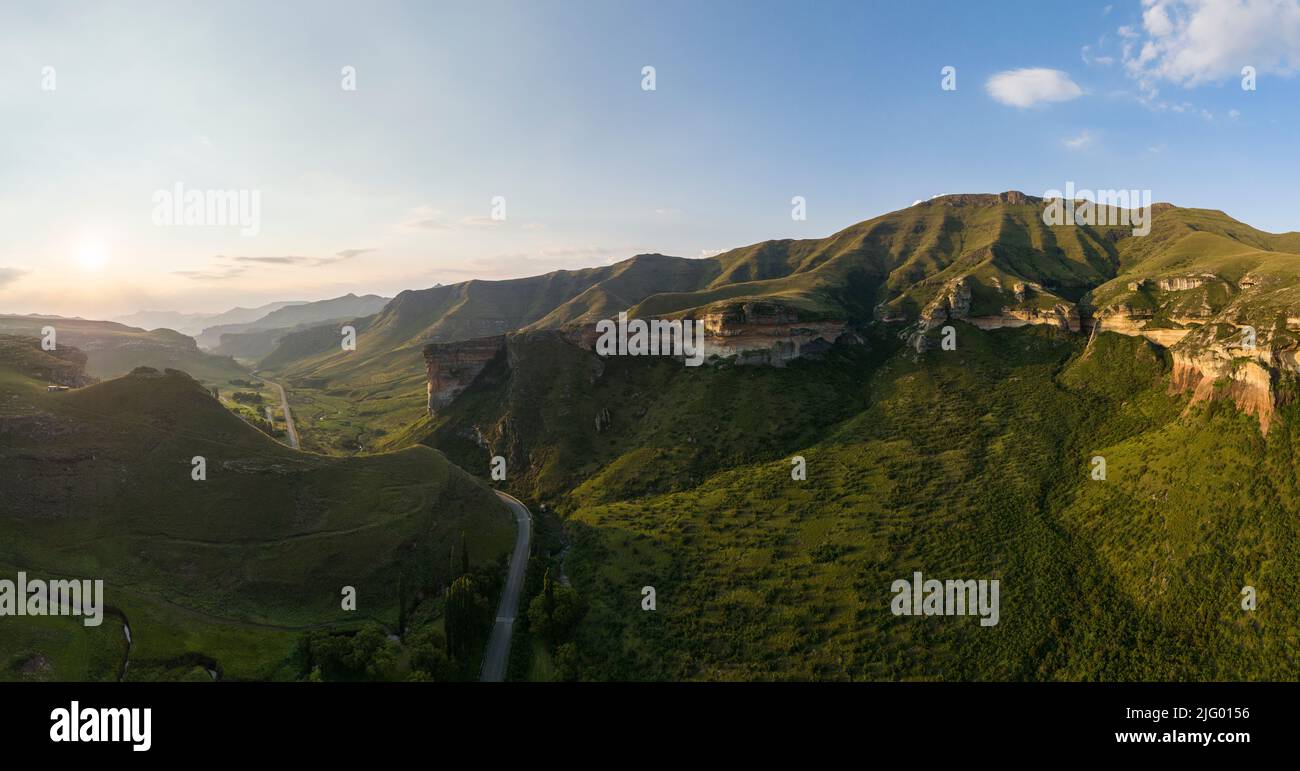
(92, 255)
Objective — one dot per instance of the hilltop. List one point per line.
(257, 337)
(194, 323)
(988, 259)
(227, 569)
(1074, 343)
(114, 349)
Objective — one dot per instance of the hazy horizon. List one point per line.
(419, 144)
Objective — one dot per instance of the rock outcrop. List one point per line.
(1246, 380)
(1182, 283)
(950, 303)
(451, 367)
(766, 333)
(1063, 316)
(1011, 197)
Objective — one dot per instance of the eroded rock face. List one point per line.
(1249, 382)
(952, 302)
(1208, 341)
(1063, 316)
(766, 333)
(1181, 283)
(1013, 197)
(1123, 320)
(749, 333)
(451, 367)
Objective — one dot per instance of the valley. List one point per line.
(1171, 355)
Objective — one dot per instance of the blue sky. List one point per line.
(542, 103)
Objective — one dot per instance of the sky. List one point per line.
(394, 146)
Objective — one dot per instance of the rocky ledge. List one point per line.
(766, 333)
(451, 367)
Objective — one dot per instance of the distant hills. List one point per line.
(254, 339)
(193, 323)
(113, 349)
(1173, 357)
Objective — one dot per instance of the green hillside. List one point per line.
(114, 349)
(891, 268)
(973, 463)
(230, 569)
(364, 399)
(285, 319)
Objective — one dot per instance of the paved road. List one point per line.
(498, 647)
(288, 416)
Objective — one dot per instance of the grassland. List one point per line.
(966, 464)
(98, 484)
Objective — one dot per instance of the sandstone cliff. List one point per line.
(1228, 339)
(451, 367)
(766, 333)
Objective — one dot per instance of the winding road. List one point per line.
(288, 416)
(497, 654)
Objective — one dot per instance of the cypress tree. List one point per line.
(548, 592)
(401, 607)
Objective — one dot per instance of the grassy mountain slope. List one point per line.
(113, 349)
(358, 399)
(890, 267)
(231, 568)
(965, 464)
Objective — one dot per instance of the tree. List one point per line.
(466, 619)
(555, 613)
(428, 655)
(548, 592)
(401, 606)
(464, 555)
(566, 662)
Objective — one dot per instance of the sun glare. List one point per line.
(91, 255)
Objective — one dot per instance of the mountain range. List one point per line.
(194, 323)
(951, 376)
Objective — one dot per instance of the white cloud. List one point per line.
(480, 222)
(1191, 42)
(9, 276)
(1090, 58)
(1234, 114)
(1156, 20)
(425, 218)
(1080, 141)
(1032, 85)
